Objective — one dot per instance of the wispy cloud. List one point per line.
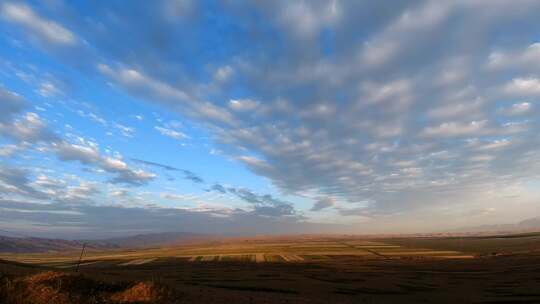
(47, 30)
(170, 133)
(350, 101)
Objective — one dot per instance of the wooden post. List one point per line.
(80, 257)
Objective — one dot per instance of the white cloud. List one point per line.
(73, 152)
(305, 19)
(529, 86)
(481, 158)
(47, 30)
(114, 164)
(119, 192)
(10, 104)
(395, 92)
(176, 197)
(491, 145)
(141, 83)
(29, 128)
(450, 129)
(175, 10)
(171, 133)
(93, 117)
(9, 150)
(79, 193)
(90, 155)
(50, 183)
(209, 111)
(32, 129)
(413, 22)
(527, 58)
(242, 105)
(16, 181)
(48, 89)
(223, 73)
(361, 101)
(515, 127)
(518, 109)
(254, 162)
(456, 109)
(125, 130)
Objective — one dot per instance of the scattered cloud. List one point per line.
(154, 164)
(402, 97)
(16, 181)
(223, 73)
(518, 109)
(242, 104)
(264, 205)
(187, 174)
(29, 128)
(48, 89)
(10, 104)
(323, 203)
(171, 133)
(143, 84)
(528, 57)
(45, 29)
(125, 130)
(9, 150)
(449, 129)
(219, 188)
(529, 86)
(353, 101)
(105, 221)
(89, 154)
(93, 117)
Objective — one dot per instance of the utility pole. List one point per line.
(80, 257)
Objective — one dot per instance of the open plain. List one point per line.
(319, 269)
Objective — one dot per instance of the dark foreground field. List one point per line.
(326, 270)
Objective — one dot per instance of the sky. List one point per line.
(267, 117)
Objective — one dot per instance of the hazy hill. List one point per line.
(36, 245)
(154, 239)
(532, 224)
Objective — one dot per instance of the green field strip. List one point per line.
(273, 258)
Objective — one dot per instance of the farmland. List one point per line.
(249, 250)
(322, 269)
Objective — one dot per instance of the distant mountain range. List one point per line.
(39, 245)
(35, 245)
(155, 239)
(532, 224)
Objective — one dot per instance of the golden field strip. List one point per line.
(259, 251)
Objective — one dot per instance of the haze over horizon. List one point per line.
(249, 117)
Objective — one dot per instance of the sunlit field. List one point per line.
(260, 251)
(320, 269)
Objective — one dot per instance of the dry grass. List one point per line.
(145, 292)
(53, 287)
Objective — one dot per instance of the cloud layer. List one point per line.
(366, 110)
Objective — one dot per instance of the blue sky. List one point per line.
(267, 117)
